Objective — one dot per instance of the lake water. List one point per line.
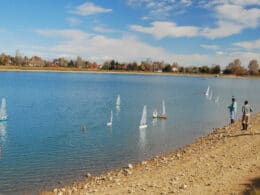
(43, 145)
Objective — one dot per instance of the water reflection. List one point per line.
(163, 124)
(117, 111)
(3, 131)
(154, 122)
(142, 139)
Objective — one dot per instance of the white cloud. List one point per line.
(213, 47)
(223, 29)
(239, 14)
(74, 21)
(100, 48)
(233, 16)
(161, 30)
(186, 2)
(210, 3)
(249, 44)
(167, 29)
(230, 17)
(71, 34)
(103, 29)
(145, 18)
(89, 8)
(128, 48)
(160, 8)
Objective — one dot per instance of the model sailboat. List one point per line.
(155, 113)
(163, 115)
(207, 91)
(3, 115)
(111, 119)
(143, 122)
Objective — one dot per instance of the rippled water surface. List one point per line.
(43, 145)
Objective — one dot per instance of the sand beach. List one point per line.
(226, 161)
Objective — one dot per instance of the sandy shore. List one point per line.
(226, 161)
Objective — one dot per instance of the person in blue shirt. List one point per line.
(233, 110)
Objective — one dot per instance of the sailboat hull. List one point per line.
(142, 126)
(162, 116)
(4, 118)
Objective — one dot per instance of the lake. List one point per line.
(43, 145)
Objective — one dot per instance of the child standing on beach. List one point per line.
(246, 109)
(233, 110)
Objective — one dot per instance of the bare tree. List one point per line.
(253, 67)
(18, 58)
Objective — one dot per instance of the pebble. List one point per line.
(183, 186)
(127, 172)
(130, 166)
(88, 175)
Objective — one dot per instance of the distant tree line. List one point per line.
(235, 67)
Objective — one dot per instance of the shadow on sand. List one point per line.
(245, 134)
(253, 188)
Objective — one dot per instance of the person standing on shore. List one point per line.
(233, 110)
(246, 109)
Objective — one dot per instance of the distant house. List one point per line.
(36, 61)
(174, 69)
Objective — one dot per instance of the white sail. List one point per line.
(207, 91)
(143, 122)
(163, 108)
(3, 114)
(118, 100)
(111, 119)
(155, 113)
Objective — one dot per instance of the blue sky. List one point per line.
(184, 31)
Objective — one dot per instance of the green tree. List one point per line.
(215, 69)
(167, 68)
(204, 69)
(71, 64)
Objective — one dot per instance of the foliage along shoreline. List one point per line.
(35, 63)
(100, 71)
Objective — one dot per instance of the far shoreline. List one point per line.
(91, 71)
